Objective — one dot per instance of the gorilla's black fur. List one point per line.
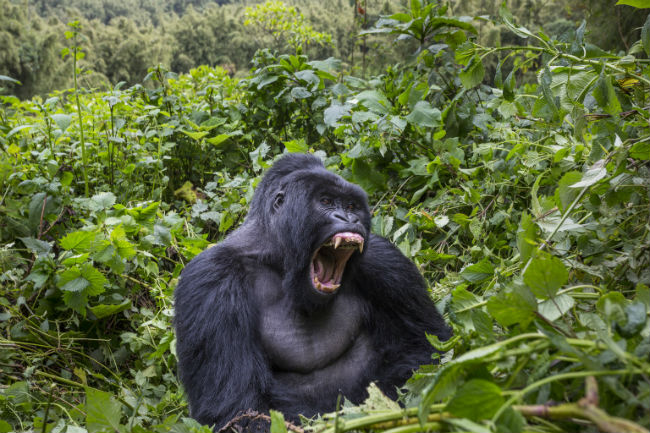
(262, 323)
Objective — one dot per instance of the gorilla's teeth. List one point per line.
(337, 242)
(360, 247)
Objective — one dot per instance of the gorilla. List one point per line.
(300, 304)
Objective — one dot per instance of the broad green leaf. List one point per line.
(526, 236)
(63, 121)
(103, 412)
(478, 272)
(545, 275)
(513, 307)
(101, 311)
(374, 101)
(612, 306)
(595, 173)
(119, 240)
(300, 93)
(37, 246)
(565, 193)
(296, 146)
(77, 241)
(277, 422)
(18, 129)
(605, 95)
(557, 307)
(424, 115)
(218, 139)
(473, 73)
(639, 4)
(104, 200)
(641, 150)
(195, 135)
(476, 400)
(334, 112)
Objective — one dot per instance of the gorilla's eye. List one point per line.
(326, 201)
(351, 207)
(279, 199)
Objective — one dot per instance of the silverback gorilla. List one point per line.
(300, 304)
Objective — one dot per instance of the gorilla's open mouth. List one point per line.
(329, 261)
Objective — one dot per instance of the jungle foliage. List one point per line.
(516, 176)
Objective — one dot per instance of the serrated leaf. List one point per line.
(96, 280)
(277, 422)
(104, 200)
(565, 193)
(595, 173)
(296, 146)
(218, 139)
(545, 275)
(37, 246)
(515, 307)
(478, 272)
(605, 95)
(77, 241)
(641, 150)
(103, 412)
(476, 400)
(424, 115)
(473, 74)
(334, 112)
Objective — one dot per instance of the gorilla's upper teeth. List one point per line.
(337, 242)
(328, 262)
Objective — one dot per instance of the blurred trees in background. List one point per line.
(123, 39)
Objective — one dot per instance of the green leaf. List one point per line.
(594, 174)
(639, 4)
(565, 193)
(124, 248)
(476, 400)
(374, 101)
(473, 74)
(11, 80)
(78, 241)
(300, 93)
(96, 279)
(605, 94)
(478, 272)
(296, 146)
(277, 422)
(104, 200)
(334, 112)
(545, 275)
(101, 311)
(63, 121)
(557, 307)
(514, 307)
(641, 150)
(424, 115)
(527, 233)
(196, 135)
(37, 246)
(103, 412)
(218, 139)
(645, 34)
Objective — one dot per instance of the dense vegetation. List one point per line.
(513, 170)
(123, 39)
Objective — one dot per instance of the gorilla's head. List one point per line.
(317, 220)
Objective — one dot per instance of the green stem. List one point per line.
(81, 128)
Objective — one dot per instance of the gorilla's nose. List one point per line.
(345, 217)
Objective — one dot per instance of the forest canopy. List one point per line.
(504, 147)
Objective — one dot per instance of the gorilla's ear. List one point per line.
(278, 201)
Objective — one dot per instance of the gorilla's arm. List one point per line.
(220, 362)
(400, 312)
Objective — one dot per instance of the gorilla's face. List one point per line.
(323, 211)
(340, 228)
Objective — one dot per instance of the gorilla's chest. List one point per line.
(299, 342)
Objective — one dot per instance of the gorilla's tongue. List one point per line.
(329, 260)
